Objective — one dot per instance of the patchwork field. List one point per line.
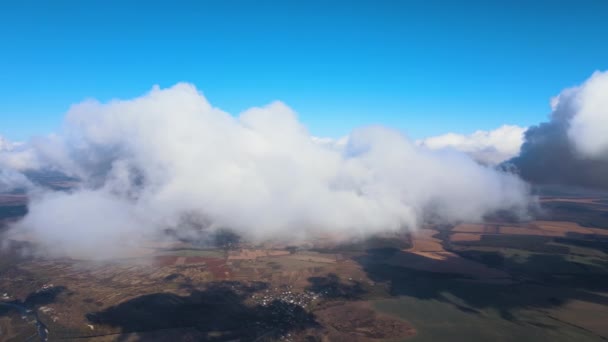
(539, 280)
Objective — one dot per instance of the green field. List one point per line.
(437, 320)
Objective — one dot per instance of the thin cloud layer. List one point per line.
(13, 160)
(487, 147)
(572, 148)
(169, 159)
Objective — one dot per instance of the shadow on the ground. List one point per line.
(219, 312)
(535, 285)
(397, 242)
(331, 286)
(586, 214)
(32, 301)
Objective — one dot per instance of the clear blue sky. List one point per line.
(424, 67)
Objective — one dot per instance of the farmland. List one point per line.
(534, 280)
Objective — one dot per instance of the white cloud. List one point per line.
(168, 159)
(17, 156)
(487, 147)
(330, 142)
(13, 159)
(11, 180)
(589, 124)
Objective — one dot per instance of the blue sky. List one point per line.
(423, 67)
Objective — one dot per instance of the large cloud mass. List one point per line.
(572, 148)
(169, 159)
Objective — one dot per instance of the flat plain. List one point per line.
(539, 280)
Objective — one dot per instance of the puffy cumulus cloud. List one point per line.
(487, 147)
(169, 159)
(589, 126)
(571, 148)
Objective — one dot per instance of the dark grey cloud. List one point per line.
(572, 148)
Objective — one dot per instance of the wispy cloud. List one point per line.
(487, 147)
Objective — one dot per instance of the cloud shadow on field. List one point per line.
(217, 313)
(531, 287)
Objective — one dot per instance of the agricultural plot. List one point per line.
(542, 280)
